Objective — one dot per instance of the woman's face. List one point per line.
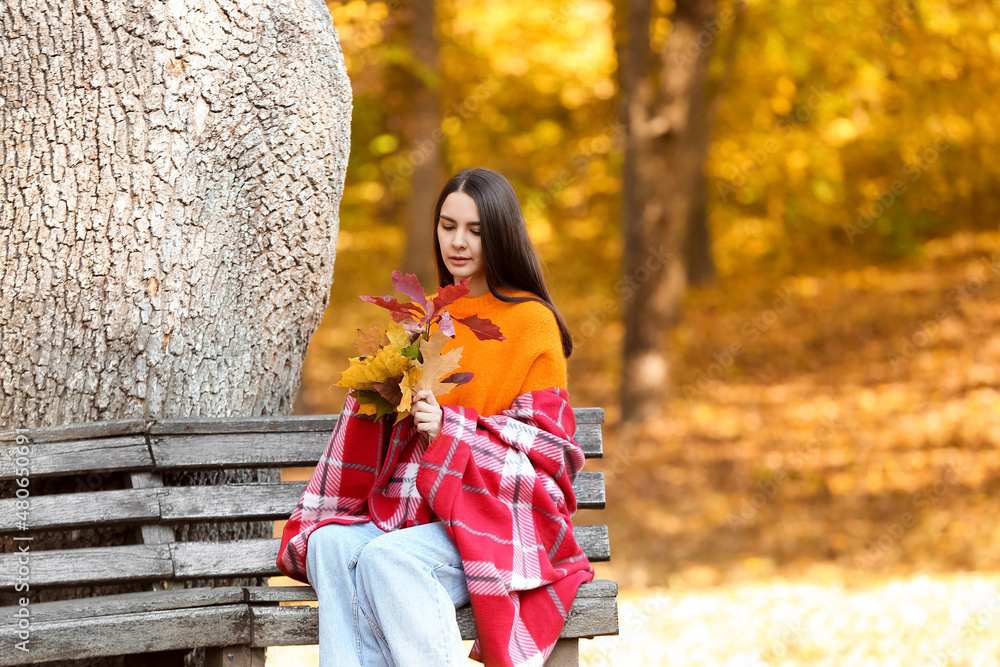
(458, 232)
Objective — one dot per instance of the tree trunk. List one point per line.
(635, 58)
(701, 266)
(666, 113)
(425, 147)
(171, 174)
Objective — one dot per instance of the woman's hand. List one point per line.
(413, 328)
(427, 414)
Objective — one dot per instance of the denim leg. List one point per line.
(331, 559)
(409, 583)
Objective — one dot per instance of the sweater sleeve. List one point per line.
(548, 366)
(547, 370)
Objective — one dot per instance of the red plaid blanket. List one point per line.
(502, 485)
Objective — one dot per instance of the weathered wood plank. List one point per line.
(590, 439)
(588, 415)
(594, 540)
(278, 500)
(128, 603)
(590, 491)
(599, 588)
(211, 425)
(295, 625)
(48, 459)
(91, 565)
(229, 450)
(74, 510)
(257, 557)
(196, 425)
(590, 617)
(129, 633)
(190, 560)
(288, 424)
(237, 501)
(82, 431)
(254, 557)
(296, 593)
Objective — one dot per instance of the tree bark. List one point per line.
(170, 177)
(666, 114)
(425, 147)
(701, 268)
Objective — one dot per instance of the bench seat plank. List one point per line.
(599, 588)
(141, 632)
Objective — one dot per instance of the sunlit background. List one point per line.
(830, 499)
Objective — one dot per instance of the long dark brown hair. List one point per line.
(511, 260)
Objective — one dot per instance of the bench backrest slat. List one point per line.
(92, 565)
(79, 510)
(279, 449)
(132, 603)
(47, 459)
(82, 431)
(324, 423)
(189, 560)
(179, 504)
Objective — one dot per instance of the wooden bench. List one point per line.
(233, 623)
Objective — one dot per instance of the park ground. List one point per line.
(824, 495)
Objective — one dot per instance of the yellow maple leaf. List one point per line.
(398, 336)
(364, 372)
(410, 378)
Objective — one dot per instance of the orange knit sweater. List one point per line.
(530, 358)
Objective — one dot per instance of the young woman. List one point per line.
(388, 584)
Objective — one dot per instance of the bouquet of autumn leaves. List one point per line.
(391, 368)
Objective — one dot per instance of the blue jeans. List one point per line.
(387, 598)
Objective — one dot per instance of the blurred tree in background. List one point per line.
(667, 106)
